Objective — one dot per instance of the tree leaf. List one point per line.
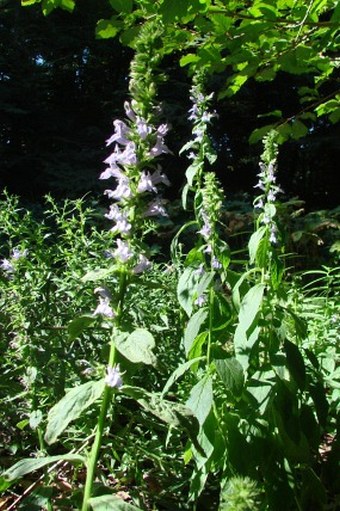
(231, 373)
(122, 5)
(70, 408)
(106, 29)
(28, 465)
(201, 399)
(111, 503)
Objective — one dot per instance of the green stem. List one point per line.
(106, 399)
(211, 322)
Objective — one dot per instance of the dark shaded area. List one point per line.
(60, 89)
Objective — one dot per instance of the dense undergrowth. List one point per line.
(45, 352)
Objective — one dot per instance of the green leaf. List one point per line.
(298, 129)
(106, 29)
(231, 373)
(111, 503)
(99, 274)
(259, 133)
(201, 399)
(67, 5)
(254, 242)
(190, 58)
(28, 465)
(295, 364)
(190, 286)
(193, 327)
(250, 305)
(196, 348)
(122, 5)
(183, 368)
(137, 347)
(35, 419)
(70, 408)
(25, 3)
(246, 333)
(78, 325)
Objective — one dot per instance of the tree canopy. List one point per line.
(271, 63)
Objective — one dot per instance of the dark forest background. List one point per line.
(61, 88)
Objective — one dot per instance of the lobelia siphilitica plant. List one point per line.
(259, 398)
(136, 203)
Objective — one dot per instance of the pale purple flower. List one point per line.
(273, 236)
(114, 157)
(272, 195)
(113, 377)
(159, 147)
(205, 231)
(215, 263)
(119, 136)
(142, 265)
(128, 156)
(18, 254)
(104, 308)
(259, 204)
(194, 112)
(208, 249)
(122, 251)
(104, 292)
(143, 129)
(156, 208)
(200, 271)
(123, 191)
(7, 266)
(201, 300)
(129, 112)
(157, 177)
(163, 129)
(120, 217)
(146, 183)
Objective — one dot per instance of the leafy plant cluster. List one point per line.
(209, 382)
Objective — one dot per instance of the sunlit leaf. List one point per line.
(28, 465)
(137, 346)
(111, 503)
(70, 408)
(201, 399)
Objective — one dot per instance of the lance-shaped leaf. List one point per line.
(201, 399)
(70, 408)
(28, 465)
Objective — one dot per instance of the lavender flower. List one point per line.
(129, 112)
(159, 147)
(143, 129)
(18, 254)
(113, 377)
(142, 265)
(121, 131)
(215, 263)
(156, 208)
(201, 300)
(146, 183)
(122, 251)
(7, 266)
(104, 308)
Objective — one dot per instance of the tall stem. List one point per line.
(106, 399)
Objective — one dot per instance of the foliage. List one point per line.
(212, 378)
